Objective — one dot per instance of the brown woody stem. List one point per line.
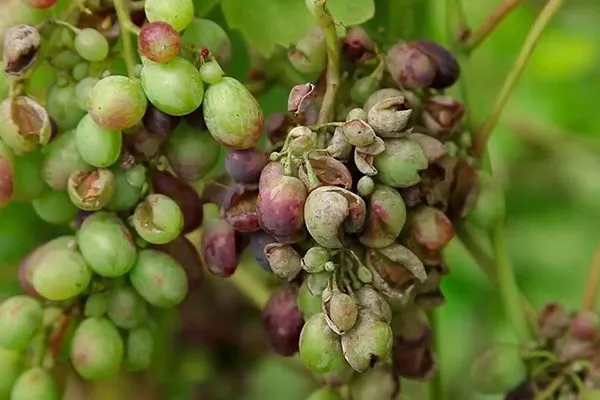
(323, 18)
(482, 136)
(472, 41)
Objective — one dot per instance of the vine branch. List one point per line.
(591, 288)
(473, 40)
(320, 12)
(482, 136)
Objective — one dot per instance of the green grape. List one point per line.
(37, 384)
(174, 87)
(159, 279)
(106, 244)
(117, 102)
(61, 103)
(61, 159)
(126, 195)
(27, 177)
(11, 363)
(82, 91)
(96, 349)
(96, 305)
(177, 13)
(65, 60)
(139, 349)
(20, 318)
(61, 274)
(211, 72)
(91, 45)
(192, 154)
(324, 393)
(308, 303)
(204, 33)
(97, 146)
(126, 308)
(55, 207)
(80, 71)
(158, 219)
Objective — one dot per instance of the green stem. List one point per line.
(127, 28)
(508, 286)
(323, 18)
(489, 24)
(251, 287)
(515, 73)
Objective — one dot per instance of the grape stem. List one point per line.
(473, 40)
(483, 135)
(591, 288)
(127, 28)
(320, 12)
(67, 25)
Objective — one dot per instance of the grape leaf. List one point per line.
(268, 23)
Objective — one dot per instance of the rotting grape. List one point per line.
(61, 159)
(24, 124)
(219, 248)
(282, 320)
(158, 41)
(91, 190)
(158, 219)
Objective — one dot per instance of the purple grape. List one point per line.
(283, 321)
(158, 122)
(181, 193)
(239, 208)
(245, 166)
(258, 241)
(219, 248)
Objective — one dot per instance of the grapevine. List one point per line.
(165, 176)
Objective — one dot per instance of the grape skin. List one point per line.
(159, 42)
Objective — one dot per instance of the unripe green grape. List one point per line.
(91, 191)
(55, 207)
(177, 13)
(37, 384)
(174, 87)
(107, 245)
(324, 393)
(65, 60)
(126, 195)
(61, 159)
(61, 103)
(158, 219)
(82, 91)
(139, 349)
(20, 318)
(308, 303)
(211, 72)
(192, 154)
(126, 308)
(97, 146)
(61, 274)
(91, 45)
(27, 177)
(232, 115)
(117, 102)
(204, 33)
(96, 305)
(80, 72)
(320, 348)
(11, 363)
(159, 279)
(96, 349)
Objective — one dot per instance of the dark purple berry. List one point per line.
(245, 166)
(158, 122)
(283, 321)
(219, 248)
(258, 242)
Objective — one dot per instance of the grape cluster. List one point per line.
(352, 216)
(115, 158)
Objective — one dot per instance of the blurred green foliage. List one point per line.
(545, 151)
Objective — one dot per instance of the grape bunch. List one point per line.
(113, 159)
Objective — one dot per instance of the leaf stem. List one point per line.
(508, 286)
(319, 10)
(492, 21)
(591, 288)
(127, 28)
(482, 136)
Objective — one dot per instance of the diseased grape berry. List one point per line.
(96, 349)
(61, 159)
(282, 320)
(158, 122)
(91, 191)
(107, 245)
(174, 87)
(258, 241)
(117, 102)
(21, 318)
(24, 124)
(177, 13)
(35, 383)
(245, 166)
(219, 248)
(91, 45)
(159, 279)
(239, 208)
(158, 219)
(20, 48)
(158, 41)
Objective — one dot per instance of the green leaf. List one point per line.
(269, 23)
(202, 7)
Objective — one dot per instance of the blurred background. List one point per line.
(545, 151)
